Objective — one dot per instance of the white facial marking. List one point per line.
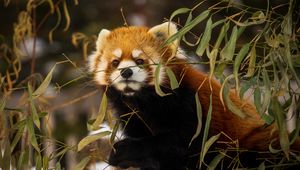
(117, 52)
(134, 82)
(100, 72)
(136, 53)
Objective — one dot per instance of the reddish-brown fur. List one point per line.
(249, 131)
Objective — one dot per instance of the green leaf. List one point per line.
(32, 136)
(114, 132)
(257, 99)
(214, 163)
(228, 51)
(267, 92)
(42, 88)
(17, 137)
(157, 83)
(45, 162)
(199, 118)
(281, 123)
(212, 62)
(206, 130)
(34, 114)
(81, 165)
(237, 62)
(6, 159)
(205, 38)
(179, 11)
(262, 166)
(101, 112)
(208, 144)
(230, 105)
(172, 77)
(89, 139)
(252, 62)
(221, 35)
(188, 27)
(38, 161)
(57, 166)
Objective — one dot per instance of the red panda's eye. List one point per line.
(139, 61)
(115, 63)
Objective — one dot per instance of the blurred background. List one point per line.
(63, 31)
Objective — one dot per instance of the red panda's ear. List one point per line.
(104, 33)
(165, 31)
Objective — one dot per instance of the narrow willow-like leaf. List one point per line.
(269, 119)
(50, 34)
(89, 139)
(31, 133)
(38, 161)
(17, 137)
(228, 51)
(252, 61)
(208, 144)
(42, 88)
(173, 81)
(188, 27)
(50, 2)
(82, 164)
(114, 132)
(214, 163)
(205, 38)
(221, 35)
(199, 118)
(34, 113)
(246, 85)
(67, 16)
(257, 99)
(281, 123)
(101, 112)
(212, 62)
(230, 105)
(179, 11)
(206, 130)
(271, 149)
(57, 166)
(237, 62)
(267, 92)
(23, 159)
(45, 162)
(262, 166)
(157, 83)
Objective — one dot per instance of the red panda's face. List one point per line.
(127, 57)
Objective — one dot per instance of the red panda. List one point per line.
(159, 129)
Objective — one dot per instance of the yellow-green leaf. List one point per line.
(205, 38)
(230, 105)
(228, 51)
(173, 81)
(179, 11)
(199, 118)
(42, 88)
(157, 83)
(208, 144)
(237, 62)
(34, 114)
(32, 136)
(89, 139)
(101, 112)
(252, 61)
(188, 27)
(81, 165)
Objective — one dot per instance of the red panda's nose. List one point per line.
(126, 73)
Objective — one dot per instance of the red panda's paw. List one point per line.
(130, 153)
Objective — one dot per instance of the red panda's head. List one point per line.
(127, 57)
